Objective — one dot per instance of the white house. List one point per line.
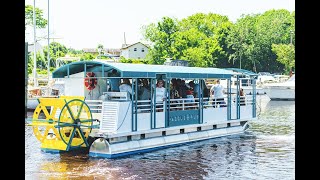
(134, 51)
(39, 47)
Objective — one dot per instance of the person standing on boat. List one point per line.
(217, 91)
(114, 82)
(126, 86)
(160, 94)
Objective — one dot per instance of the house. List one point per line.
(134, 51)
(38, 47)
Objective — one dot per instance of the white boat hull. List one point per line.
(280, 93)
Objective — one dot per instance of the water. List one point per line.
(265, 151)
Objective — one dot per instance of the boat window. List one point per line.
(135, 49)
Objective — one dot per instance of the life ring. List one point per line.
(90, 81)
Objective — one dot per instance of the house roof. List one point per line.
(127, 70)
(129, 45)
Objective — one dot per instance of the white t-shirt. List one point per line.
(160, 94)
(217, 91)
(125, 88)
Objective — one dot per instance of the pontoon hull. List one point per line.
(102, 147)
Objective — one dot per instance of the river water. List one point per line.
(265, 151)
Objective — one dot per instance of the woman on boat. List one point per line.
(125, 86)
(160, 94)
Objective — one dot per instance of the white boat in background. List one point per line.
(281, 91)
(265, 77)
(54, 89)
(48, 87)
(246, 81)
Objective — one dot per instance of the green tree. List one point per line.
(285, 55)
(252, 36)
(40, 21)
(100, 49)
(199, 39)
(162, 37)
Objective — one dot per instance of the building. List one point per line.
(134, 51)
(39, 48)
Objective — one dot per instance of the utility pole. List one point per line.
(35, 82)
(48, 48)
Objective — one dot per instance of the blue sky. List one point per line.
(87, 23)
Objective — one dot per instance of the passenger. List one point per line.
(144, 90)
(183, 89)
(218, 94)
(160, 95)
(114, 82)
(174, 93)
(126, 86)
(242, 98)
(195, 88)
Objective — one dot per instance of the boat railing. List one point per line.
(177, 104)
(184, 104)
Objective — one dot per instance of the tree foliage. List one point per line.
(199, 39)
(285, 55)
(252, 36)
(40, 21)
(211, 40)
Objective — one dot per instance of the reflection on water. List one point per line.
(265, 151)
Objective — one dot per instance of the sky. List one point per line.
(82, 24)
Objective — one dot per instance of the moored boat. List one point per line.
(112, 124)
(282, 90)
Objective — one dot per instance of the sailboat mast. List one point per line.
(34, 46)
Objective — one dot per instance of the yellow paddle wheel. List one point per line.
(65, 126)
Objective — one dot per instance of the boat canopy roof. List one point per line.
(127, 70)
(242, 71)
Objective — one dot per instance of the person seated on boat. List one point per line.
(160, 95)
(144, 94)
(242, 97)
(205, 92)
(114, 82)
(144, 90)
(183, 89)
(126, 86)
(195, 88)
(218, 92)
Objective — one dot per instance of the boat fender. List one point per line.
(89, 81)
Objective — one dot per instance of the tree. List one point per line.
(285, 55)
(162, 37)
(40, 21)
(252, 36)
(199, 39)
(100, 49)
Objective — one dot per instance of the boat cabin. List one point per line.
(137, 108)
